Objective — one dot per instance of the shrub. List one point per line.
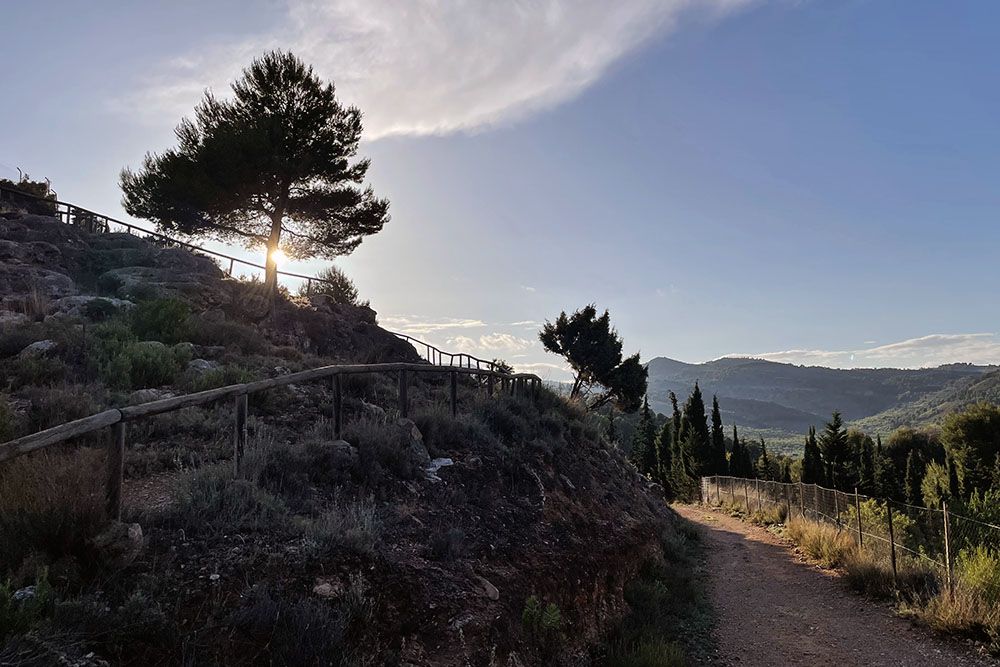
(99, 310)
(18, 614)
(221, 377)
(865, 572)
(51, 406)
(211, 500)
(351, 526)
(145, 364)
(337, 286)
(542, 621)
(648, 653)
(8, 420)
(447, 544)
(444, 433)
(380, 446)
(165, 320)
(821, 541)
(51, 504)
(36, 370)
(228, 334)
(113, 627)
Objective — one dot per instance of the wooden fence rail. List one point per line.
(118, 417)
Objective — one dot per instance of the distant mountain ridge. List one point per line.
(782, 400)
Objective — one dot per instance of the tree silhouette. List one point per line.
(594, 351)
(271, 167)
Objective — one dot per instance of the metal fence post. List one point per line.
(949, 565)
(404, 404)
(892, 543)
(857, 508)
(116, 467)
(240, 432)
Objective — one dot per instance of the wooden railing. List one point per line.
(517, 384)
(71, 214)
(437, 357)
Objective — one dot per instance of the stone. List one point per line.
(119, 544)
(345, 454)
(413, 443)
(39, 348)
(434, 466)
(485, 588)
(77, 306)
(373, 412)
(148, 395)
(328, 589)
(199, 367)
(11, 319)
(151, 345)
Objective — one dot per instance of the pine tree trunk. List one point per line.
(271, 266)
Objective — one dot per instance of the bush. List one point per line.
(50, 505)
(8, 420)
(821, 541)
(51, 406)
(18, 615)
(380, 446)
(99, 310)
(165, 320)
(648, 653)
(444, 433)
(351, 526)
(542, 621)
(338, 286)
(228, 334)
(447, 544)
(145, 364)
(221, 377)
(212, 501)
(35, 370)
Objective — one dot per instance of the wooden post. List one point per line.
(857, 508)
(116, 467)
(404, 407)
(756, 483)
(788, 502)
(240, 432)
(802, 501)
(338, 405)
(454, 393)
(948, 564)
(231, 262)
(718, 490)
(489, 385)
(892, 542)
(746, 492)
(836, 509)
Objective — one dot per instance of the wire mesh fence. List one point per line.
(956, 554)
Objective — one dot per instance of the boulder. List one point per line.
(39, 348)
(148, 395)
(344, 453)
(372, 411)
(434, 466)
(414, 450)
(119, 544)
(199, 367)
(80, 306)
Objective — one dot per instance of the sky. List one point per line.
(812, 181)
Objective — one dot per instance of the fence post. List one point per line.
(756, 483)
(816, 502)
(454, 393)
(231, 263)
(746, 492)
(338, 403)
(836, 508)
(947, 549)
(404, 406)
(857, 508)
(892, 542)
(116, 467)
(240, 432)
(802, 501)
(489, 385)
(718, 490)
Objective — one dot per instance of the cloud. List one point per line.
(545, 370)
(494, 343)
(433, 67)
(528, 288)
(923, 352)
(415, 326)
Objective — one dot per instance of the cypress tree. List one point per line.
(763, 463)
(912, 481)
(664, 452)
(886, 479)
(643, 447)
(695, 436)
(866, 467)
(786, 471)
(954, 489)
(736, 456)
(812, 463)
(834, 446)
(718, 441)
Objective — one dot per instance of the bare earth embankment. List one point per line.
(776, 609)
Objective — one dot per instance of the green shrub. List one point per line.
(444, 433)
(212, 501)
(165, 320)
(99, 310)
(221, 377)
(35, 370)
(51, 504)
(354, 527)
(17, 616)
(227, 334)
(647, 653)
(51, 406)
(337, 286)
(140, 365)
(542, 621)
(114, 628)
(380, 446)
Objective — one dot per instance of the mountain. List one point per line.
(780, 401)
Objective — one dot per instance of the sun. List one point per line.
(278, 256)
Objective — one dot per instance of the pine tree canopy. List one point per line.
(271, 167)
(594, 351)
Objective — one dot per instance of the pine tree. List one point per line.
(866, 467)
(912, 481)
(886, 479)
(954, 489)
(694, 434)
(718, 441)
(643, 448)
(833, 444)
(763, 463)
(664, 451)
(736, 456)
(812, 462)
(786, 471)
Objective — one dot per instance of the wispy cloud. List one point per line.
(494, 343)
(926, 351)
(546, 371)
(431, 67)
(415, 326)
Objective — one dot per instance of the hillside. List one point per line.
(419, 540)
(781, 401)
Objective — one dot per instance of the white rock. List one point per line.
(38, 349)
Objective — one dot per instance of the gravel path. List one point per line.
(775, 609)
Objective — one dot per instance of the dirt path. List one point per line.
(776, 609)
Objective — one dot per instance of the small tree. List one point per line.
(836, 452)
(812, 462)
(271, 166)
(718, 441)
(913, 479)
(594, 351)
(334, 283)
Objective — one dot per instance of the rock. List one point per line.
(201, 366)
(26, 593)
(184, 348)
(151, 345)
(19, 283)
(344, 454)
(485, 588)
(373, 412)
(39, 348)
(79, 306)
(148, 395)
(567, 482)
(414, 450)
(119, 544)
(328, 589)
(436, 465)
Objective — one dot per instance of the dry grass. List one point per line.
(51, 504)
(821, 542)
